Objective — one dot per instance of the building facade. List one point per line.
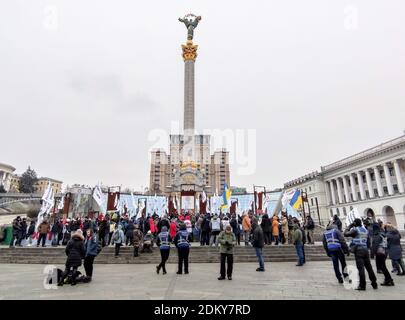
(372, 179)
(39, 186)
(6, 173)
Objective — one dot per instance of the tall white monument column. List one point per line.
(378, 182)
(189, 57)
(398, 175)
(361, 186)
(346, 189)
(388, 179)
(353, 187)
(369, 184)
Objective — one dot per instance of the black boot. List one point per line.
(157, 269)
(389, 283)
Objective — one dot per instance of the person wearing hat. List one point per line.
(147, 242)
(182, 242)
(137, 239)
(227, 240)
(75, 252)
(163, 241)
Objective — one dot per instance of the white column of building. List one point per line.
(398, 174)
(353, 187)
(339, 190)
(388, 179)
(346, 189)
(378, 182)
(327, 191)
(332, 191)
(369, 184)
(361, 187)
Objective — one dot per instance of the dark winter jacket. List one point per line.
(130, 230)
(75, 252)
(258, 237)
(235, 226)
(266, 223)
(394, 244)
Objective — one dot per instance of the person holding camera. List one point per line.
(227, 240)
(359, 246)
(335, 246)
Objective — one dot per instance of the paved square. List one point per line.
(282, 280)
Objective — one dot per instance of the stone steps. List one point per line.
(56, 255)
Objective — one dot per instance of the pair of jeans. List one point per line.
(338, 256)
(88, 265)
(362, 258)
(214, 238)
(310, 236)
(259, 255)
(299, 248)
(183, 253)
(229, 259)
(117, 249)
(42, 237)
(398, 264)
(204, 238)
(267, 237)
(164, 255)
(246, 235)
(380, 264)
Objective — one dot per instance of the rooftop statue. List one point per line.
(191, 22)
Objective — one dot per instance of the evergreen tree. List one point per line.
(27, 181)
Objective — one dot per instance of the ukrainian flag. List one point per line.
(296, 200)
(226, 197)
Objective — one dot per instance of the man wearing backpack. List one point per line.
(215, 226)
(118, 239)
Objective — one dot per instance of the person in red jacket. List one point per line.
(173, 229)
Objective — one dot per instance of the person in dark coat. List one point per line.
(30, 232)
(75, 252)
(102, 231)
(337, 222)
(16, 231)
(258, 243)
(235, 228)
(378, 249)
(266, 227)
(394, 249)
(129, 233)
(205, 230)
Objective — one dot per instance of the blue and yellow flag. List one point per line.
(226, 196)
(296, 200)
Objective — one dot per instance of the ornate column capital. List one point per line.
(189, 51)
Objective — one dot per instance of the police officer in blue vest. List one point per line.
(359, 246)
(163, 242)
(182, 242)
(335, 246)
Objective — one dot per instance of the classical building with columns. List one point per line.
(189, 168)
(371, 179)
(6, 173)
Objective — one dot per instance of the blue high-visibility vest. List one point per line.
(164, 240)
(332, 240)
(183, 239)
(361, 237)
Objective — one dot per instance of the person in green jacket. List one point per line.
(297, 241)
(227, 240)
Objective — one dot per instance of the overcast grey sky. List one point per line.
(82, 83)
